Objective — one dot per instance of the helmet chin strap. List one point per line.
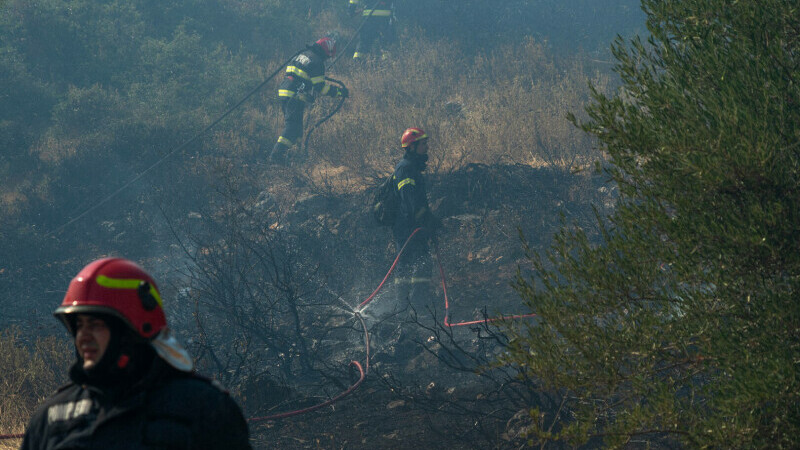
(123, 360)
(125, 357)
(418, 158)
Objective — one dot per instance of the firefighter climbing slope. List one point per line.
(304, 80)
(378, 26)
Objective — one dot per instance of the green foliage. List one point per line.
(682, 324)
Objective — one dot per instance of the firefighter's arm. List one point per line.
(406, 189)
(316, 73)
(418, 210)
(319, 84)
(430, 223)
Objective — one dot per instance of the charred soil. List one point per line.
(429, 385)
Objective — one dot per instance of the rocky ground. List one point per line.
(421, 390)
(425, 385)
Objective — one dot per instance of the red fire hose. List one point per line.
(444, 290)
(362, 370)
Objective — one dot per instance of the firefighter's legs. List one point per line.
(415, 300)
(388, 37)
(413, 288)
(366, 39)
(420, 293)
(293, 110)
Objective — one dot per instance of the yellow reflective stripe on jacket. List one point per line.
(325, 89)
(318, 80)
(353, 2)
(298, 71)
(126, 283)
(378, 12)
(286, 93)
(405, 182)
(285, 141)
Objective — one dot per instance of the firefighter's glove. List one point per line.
(343, 92)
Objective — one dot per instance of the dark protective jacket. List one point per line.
(413, 211)
(305, 76)
(168, 409)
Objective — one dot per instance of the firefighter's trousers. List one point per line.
(413, 287)
(293, 111)
(375, 28)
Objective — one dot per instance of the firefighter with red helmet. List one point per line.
(413, 281)
(133, 384)
(304, 80)
(379, 25)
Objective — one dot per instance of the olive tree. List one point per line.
(680, 324)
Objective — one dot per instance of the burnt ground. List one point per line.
(422, 390)
(427, 386)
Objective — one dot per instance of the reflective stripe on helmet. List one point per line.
(127, 283)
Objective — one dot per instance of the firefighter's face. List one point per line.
(422, 147)
(91, 339)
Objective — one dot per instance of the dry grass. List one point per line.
(502, 106)
(507, 107)
(30, 374)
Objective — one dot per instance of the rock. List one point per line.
(264, 202)
(431, 388)
(392, 435)
(466, 218)
(395, 404)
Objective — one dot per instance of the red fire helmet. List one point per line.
(328, 44)
(117, 287)
(412, 135)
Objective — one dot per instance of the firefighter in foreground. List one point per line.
(413, 279)
(305, 79)
(132, 384)
(379, 25)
